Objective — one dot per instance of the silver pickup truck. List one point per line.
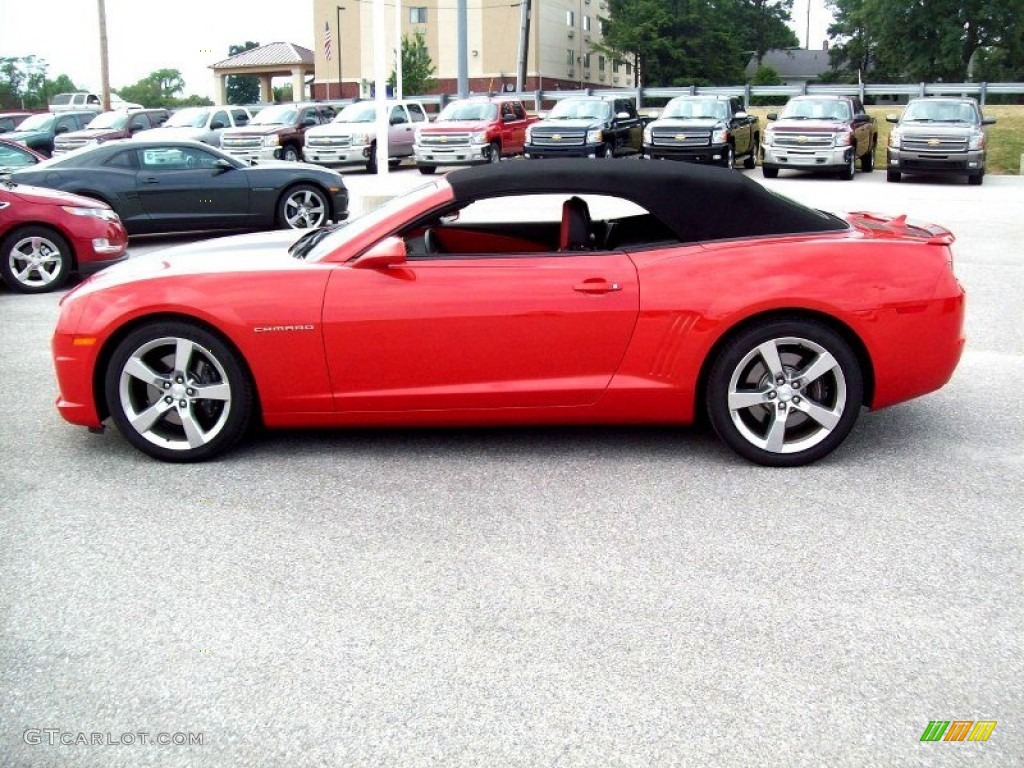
(351, 138)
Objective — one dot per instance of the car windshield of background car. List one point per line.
(12, 159)
(485, 111)
(114, 120)
(194, 117)
(580, 110)
(281, 115)
(37, 123)
(365, 112)
(691, 108)
(372, 219)
(939, 111)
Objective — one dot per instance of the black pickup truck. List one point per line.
(704, 129)
(586, 126)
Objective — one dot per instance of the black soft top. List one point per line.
(696, 202)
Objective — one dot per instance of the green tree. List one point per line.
(157, 89)
(766, 75)
(283, 94)
(243, 89)
(417, 67)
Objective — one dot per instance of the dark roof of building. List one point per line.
(269, 55)
(696, 202)
(794, 63)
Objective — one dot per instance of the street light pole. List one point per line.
(104, 59)
(341, 87)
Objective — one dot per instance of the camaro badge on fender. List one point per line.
(276, 328)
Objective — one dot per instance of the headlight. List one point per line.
(106, 214)
(895, 138)
(417, 135)
(769, 135)
(720, 136)
(360, 138)
(480, 137)
(843, 139)
(647, 136)
(595, 136)
(529, 133)
(977, 141)
(272, 140)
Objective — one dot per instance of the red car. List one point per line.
(563, 292)
(45, 235)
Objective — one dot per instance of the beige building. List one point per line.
(561, 54)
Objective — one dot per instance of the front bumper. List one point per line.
(355, 155)
(711, 154)
(459, 154)
(824, 159)
(955, 163)
(254, 154)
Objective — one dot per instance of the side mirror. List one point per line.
(892, 118)
(223, 165)
(773, 115)
(861, 117)
(216, 125)
(622, 115)
(654, 114)
(309, 121)
(988, 121)
(388, 252)
(397, 120)
(61, 129)
(741, 115)
(542, 115)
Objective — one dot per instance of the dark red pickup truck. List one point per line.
(276, 133)
(471, 132)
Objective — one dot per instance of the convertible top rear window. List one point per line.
(697, 203)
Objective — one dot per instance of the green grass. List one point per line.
(1005, 138)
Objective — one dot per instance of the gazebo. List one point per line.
(266, 62)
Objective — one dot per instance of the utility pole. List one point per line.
(398, 49)
(461, 30)
(104, 62)
(524, 45)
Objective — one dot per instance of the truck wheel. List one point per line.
(770, 173)
(427, 169)
(289, 153)
(867, 160)
(730, 157)
(893, 176)
(494, 153)
(976, 179)
(609, 151)
(851, 168)
(371, 163)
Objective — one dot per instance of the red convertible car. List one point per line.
(568, 293)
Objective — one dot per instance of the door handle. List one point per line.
(151, 180)
(596, 285)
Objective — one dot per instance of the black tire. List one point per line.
(867, 160)
(764, 407)
(35, 260)
(290, 153)
(303, 207)
(750, 161)
(394, 162)
(770, 173)
(894, 176)
(730, 156)
(976, 179)
(154, 385)
(371, 163)
(850, 170)
(608, 153)
(427, 170)
(494, 153)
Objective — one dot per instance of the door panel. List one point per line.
(468, 333)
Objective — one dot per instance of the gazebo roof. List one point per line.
(285, 55)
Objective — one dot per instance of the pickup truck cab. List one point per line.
(351, 138)
(472, 131)
(204, 124)
(117, 124)
(73, 102)
(938, 136)
(587, 126)
(704, 129)
(276, 133)
(820, 133)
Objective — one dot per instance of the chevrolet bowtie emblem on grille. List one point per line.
(933, 142)
(680, 137)
(801, 139)
(557, 137)
(444, 139)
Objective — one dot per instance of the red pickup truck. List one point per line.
(471, 132)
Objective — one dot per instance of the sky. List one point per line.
(187, 35)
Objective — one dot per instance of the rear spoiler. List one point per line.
(898, 226)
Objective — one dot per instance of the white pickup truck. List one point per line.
(351, 138)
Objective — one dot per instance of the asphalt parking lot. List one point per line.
(529, 597)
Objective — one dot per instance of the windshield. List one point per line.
(282, 114)
(468, 110)
(319, 245)
(364, 112)
(37, 123)
(193, 117)
(817, 109)
(940, 111)
(695, 108)
(115, 120)
(62, 98)
(573, 109)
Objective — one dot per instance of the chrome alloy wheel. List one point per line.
(787, 395)
(175, 393)
(35, 262)
(304, 208)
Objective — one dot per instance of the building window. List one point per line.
(570, 19)
(600, 63)
(615, 66)
(586, 61)
(570, 56)
(629, 68)
(418, 15)
(586, 23)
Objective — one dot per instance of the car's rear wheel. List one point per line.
(770, 173)
(302, 207)
(35, 260)
(894, 176)
(848, 172)
(290, 153)
(785, 393)
(178, 392)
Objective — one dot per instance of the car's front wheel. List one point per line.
(770, 173)
(427, 169)
(894, 176)
(178, 392)
(290, 153)
(851, 168)
(730, 156)
(785, 393)
(35, 259)
(302, 207)
(494, 153)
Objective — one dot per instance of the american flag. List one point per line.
(327, 40)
